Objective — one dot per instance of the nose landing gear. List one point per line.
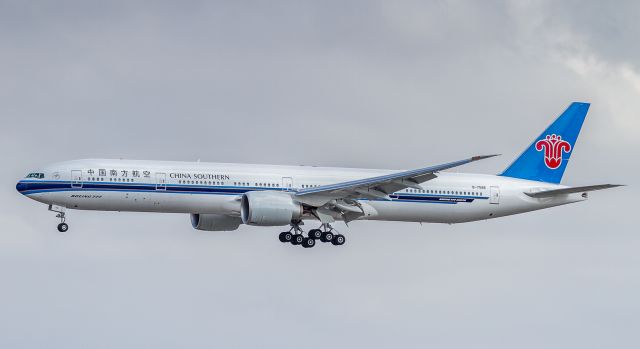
(62, 227)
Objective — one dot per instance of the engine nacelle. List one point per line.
(267, 208)
(215, 222)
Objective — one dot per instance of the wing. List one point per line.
(376, 187)
(565, 191)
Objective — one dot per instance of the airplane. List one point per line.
(223, 196)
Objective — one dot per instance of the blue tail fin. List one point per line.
(546, 158)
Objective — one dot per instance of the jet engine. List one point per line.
(267, 208)
(214, 222)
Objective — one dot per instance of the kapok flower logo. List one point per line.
(553, 147)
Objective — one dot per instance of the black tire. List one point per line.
(63, 227)
(285, 236)
(308, 242)
(327, 236)
(338, 240)
(297, 239)
(315, 234)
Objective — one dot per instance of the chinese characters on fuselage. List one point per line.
(130, 173)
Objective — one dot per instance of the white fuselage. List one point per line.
(215, 188)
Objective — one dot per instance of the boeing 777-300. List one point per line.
(222, 196)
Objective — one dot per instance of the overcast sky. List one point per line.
(393, 84)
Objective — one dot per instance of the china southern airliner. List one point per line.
(221, 196)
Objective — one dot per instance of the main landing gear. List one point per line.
(62, 227)
(325, 234)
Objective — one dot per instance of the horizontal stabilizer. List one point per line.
(564, 191)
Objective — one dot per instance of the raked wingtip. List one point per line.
(481, 157)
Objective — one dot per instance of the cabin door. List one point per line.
(287, 183)
(161, 181)
(495, 195)
(76, 179)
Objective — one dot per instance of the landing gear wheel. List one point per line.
(315, 234)
(327, 236)
(285, 236)
(308, 242)
(298, 239)
(338, 240)
(63, 227)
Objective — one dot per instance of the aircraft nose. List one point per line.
(21, 187)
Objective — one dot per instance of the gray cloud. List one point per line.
(382, 85)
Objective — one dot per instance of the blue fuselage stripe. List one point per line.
(36, 187)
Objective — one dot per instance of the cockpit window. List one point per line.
(35, 175)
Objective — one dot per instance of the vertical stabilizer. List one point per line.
(547, 157)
